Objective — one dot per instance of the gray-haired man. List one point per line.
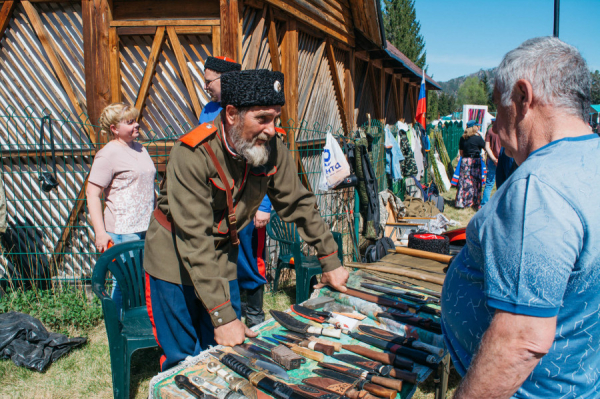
(520, 305)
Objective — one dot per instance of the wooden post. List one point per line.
(96, 17)
(5, 14)
(115, 66)
(216, 40)
(289, 52)
(382, 108)
(337, 85)
(349, 88)
(230, 24)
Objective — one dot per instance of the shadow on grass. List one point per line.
(428, 386)
(145, 364)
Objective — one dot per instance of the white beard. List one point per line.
(256, 155)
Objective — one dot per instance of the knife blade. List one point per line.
(364, 363)
(397, 339)
(361, 384)
(387, 358)
(420, 299)
(413, 354)
(364, 374)
(256, 349)
(312, 392)
(261, 365)
(336, 345)
(317, 346)
(291, 323)
(319, 316)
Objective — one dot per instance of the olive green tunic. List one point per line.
(198, 252)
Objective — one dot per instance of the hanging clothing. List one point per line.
(418, 151)
(393, 156)
(409, 166)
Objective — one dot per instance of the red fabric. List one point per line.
(260, 261)
(428, 237)
(151, 316)
(422, 104)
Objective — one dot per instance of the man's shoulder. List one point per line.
(199, 134)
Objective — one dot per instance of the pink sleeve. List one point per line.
(102, 171)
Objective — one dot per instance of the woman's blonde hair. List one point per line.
(115, 113)
(470, 132)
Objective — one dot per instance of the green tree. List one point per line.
(432, 105)
(447, 104)
(404, 31)
(595, 87)
(484, 81)
(472, 92)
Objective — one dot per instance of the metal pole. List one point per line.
(556, 16)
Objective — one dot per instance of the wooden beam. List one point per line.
(258, 4)
(115, 65)
(396, 102)
(193, 30)
(136, 30)
(402, 98)
(381, 90)
(349, 72)
(77, 206)
(230, 22)
(159, 40)
(45, 154)
(168, 22)
(257, 35)
(300, 13)
(185, 71)
(216, 41)
(274, 45)
(362, 87)
(337, 85)
(36, 23)
(374, 86)
(5, 15)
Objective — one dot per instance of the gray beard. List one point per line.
(256, 155)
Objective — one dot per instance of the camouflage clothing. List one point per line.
(409, 166)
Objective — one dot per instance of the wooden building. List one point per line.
(69, 59)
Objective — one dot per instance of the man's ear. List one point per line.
(231, 114)
(523, 96)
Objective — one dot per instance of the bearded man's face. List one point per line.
(251, 132)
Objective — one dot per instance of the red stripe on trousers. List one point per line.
(151, 315)
(260, 261)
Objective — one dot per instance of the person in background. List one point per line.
(505, 167)
(124, 173)
(468, 191)
(520, 303)
(214, 67)
(492, 149)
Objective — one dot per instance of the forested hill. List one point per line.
(451, 86)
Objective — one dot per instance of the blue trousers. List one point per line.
(116, 294)
(182, 326)
(489, 182)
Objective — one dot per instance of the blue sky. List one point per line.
(463, 36)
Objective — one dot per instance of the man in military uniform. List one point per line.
(213, 68)
(190, 253)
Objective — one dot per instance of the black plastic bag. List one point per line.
(25, 340)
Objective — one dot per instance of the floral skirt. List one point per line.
(468, 192)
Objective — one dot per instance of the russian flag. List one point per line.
(422, 104)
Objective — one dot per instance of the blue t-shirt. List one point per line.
(534, 250)
(210, 112)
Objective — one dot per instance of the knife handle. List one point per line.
(403, 363)
(427, 348)
(354, 394)
(328, 332)
(381, 357)
(319, 347)
(404, 375)
(336, 345)
(184, 383)
(380, 391)
(307, 353)
(387, 382)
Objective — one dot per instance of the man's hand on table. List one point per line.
(233, 333)
(336, 279)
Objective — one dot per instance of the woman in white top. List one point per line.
(124, 172)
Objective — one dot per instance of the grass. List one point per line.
(85, 372)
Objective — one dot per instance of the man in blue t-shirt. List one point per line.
(213, 68)
(520, 303)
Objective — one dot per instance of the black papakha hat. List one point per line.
(221, 64)
(253, 87)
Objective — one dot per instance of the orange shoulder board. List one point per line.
(198, 134)
(280, 131)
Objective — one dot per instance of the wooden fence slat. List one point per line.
(274, 44)
(36, 23)
(185, 71)
(337, 86)
(168, 22)
(257, 35)
(159, 40)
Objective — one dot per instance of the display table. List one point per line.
(163, 386)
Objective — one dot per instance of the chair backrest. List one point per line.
(281, 231)
(124, 261)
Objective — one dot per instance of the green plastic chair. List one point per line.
(306, 267)
(133, 330)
